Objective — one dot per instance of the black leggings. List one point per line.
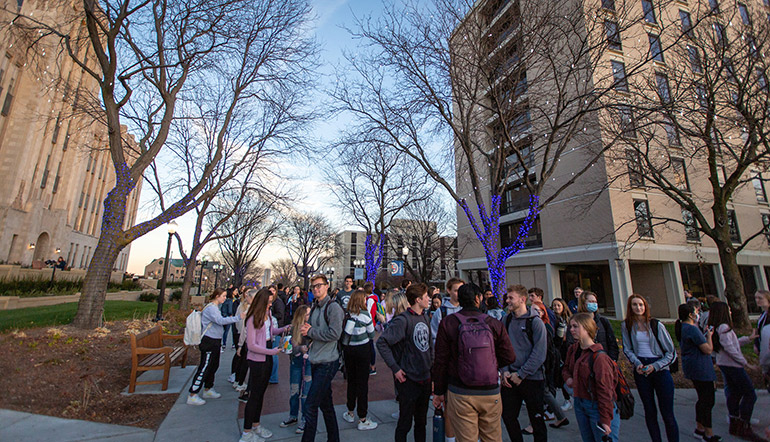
(258, 380)
(240, 365)
(705, 402)
(207, 367)
(357, 365)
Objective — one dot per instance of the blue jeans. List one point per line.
(587, 415)
(299, 385)
(320, 396)
(739, 392)
(224, 335)
(660, 384)
(274, 373)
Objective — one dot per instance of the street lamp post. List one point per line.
(405, 252)
(200, 278)
(330, 272)
(217, 269)
(171, 230)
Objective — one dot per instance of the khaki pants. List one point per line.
(475, 417)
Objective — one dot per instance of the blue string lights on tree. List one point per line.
(372, 264)
(490, 238)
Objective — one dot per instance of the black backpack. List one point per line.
(552, 364)
(673, 367)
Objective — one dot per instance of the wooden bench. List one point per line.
(149, 353)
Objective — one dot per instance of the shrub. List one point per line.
(148, 297)
(176, 295)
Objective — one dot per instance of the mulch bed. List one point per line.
(79, 374)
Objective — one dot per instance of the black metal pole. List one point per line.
(162, 294)
(216, 278)
(200, 278)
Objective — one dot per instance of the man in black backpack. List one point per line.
(524, 379)
(407, 348)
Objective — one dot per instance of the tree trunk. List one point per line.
(733, 285)
(91, 304)
(496, 269)
(189, 276)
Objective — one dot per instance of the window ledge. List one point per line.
(647, 238)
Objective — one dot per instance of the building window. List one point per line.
(353, 237)
(695, 63)
(649, 11)
(714, 4)
(8, 99)
(45, 173)
(762, 79)
(745, 18)
(608, 5)
(703, 100)
(515, 197)
(672, 132)
(656, 51)
(721, 174)
(619, 74)
(686, 21)
(613, 35)
(759, 187)
(732, 223)
(690, 226)
(729, 69)
(509, 233)
(626, 120)
(720, 35)
(664, 92)
(752, 45)
(635, 174)
(56, 128)
(56, 180)
(680, 174)
(643, 219)
(766, 226)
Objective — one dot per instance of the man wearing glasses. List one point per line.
(324, 329)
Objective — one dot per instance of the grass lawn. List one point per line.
(64, 313)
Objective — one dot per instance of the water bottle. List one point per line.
(438, 425)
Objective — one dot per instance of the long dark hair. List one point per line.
(685, 310)
(719, 313)
(258, 307)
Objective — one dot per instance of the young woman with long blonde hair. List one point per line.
(299, 374)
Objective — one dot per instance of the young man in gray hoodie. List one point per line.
(324, 330)
(406, 347)
(525, 378)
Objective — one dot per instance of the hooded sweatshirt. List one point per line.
(325, 335)
(530, 355)
(436, 319)
(407, 345)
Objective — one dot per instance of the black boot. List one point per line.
(745, 432)
(734, 426)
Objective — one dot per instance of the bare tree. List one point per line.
(702, 135)
(283, 272)
(147, 60)
(481, 76)
(244, 233)
(373, 184)
(311, 243)
(429, 230)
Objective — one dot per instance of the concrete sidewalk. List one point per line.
(217, 421)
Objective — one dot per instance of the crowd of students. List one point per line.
(479, 362)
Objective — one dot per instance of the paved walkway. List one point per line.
(218, 420)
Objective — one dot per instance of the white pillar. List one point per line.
(621, 285)
(719, 278)
(674, 287)
(761, 278)
(553, 283)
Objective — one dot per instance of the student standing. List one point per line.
(595, 409)
(259, 338)
(561, 331)
(324, 329)
(604, 333)
(650, 352)
(359, 332)
(739, 390)
(524, 379)
(299, 374)
(762, 334)
(239, 366)
(698, 368)
(212, 329)
(407, 348)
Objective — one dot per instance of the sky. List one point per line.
(312, 194)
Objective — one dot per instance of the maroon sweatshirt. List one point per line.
(605, 378)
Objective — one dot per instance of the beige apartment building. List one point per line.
(597, 234)
(55, 167)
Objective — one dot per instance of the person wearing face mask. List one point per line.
(649, 348)
(698, 368)
(604, 334)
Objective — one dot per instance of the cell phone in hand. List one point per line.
(605, 437)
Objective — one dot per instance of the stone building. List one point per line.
(55, 167)
(598, 233)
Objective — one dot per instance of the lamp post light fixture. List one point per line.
(217, 269)
(171, 230)
(405, 252)
(200, 278)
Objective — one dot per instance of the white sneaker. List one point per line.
(367, 424)
(262, 432)
(211, 394)
(250, 436)
(348, 416)
(231, 378)
(566, 405)
(194, 399)
(240, 387)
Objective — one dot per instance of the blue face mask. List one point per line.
(592, 306)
